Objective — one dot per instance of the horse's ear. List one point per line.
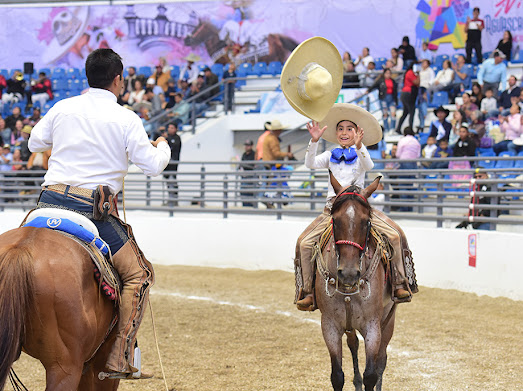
(367, 192)
(335, 184)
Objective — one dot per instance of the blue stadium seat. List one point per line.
(60, 84)
(274, 68)
(73, 73)
(435, 69)
(247, 67)
(146, 71)
(517, 58)
(175, 72)
(241, 72)
(438, 61)
(380, 62)
(85, 84)
(440, 98)
(4, 73)
(487, 164)
(75, 85)
(422, 137)
(485, 151)
(505, 163)
(47, 71)
(58, 73)
(486, 55)
(58, 95)
(260, 68)
(217, 69)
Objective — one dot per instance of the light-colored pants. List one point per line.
(42, 98)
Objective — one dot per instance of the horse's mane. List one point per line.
(340, 200)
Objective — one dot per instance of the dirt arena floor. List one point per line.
(229, 329)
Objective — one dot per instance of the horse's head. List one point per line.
(200, 33)
(351, 214)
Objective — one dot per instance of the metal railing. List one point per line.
(419, 194)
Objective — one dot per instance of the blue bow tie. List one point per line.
(346, 154)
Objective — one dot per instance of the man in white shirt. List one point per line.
(92, 138)
(363, 60)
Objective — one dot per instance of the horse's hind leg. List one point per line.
(353, 344)
(332, 335)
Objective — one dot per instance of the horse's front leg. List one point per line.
(332, 334)
(372, 348)
(386, 335)
(353, 343)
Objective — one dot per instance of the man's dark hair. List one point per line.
(408, 131)
(406, 39)
(101, 67)
(476, 9)
(178, 94)
(173, 124)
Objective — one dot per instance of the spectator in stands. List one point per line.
(23, 145)
(175, 142)
(248, 179)
(210, 80)
(520, 103)
(259, 143)
(351, 79)
(493, 72)
(5, 132)
(443, 78)
(41, 91)
(467, 106)
(377, 151)
(346, 58)
(479, 200)
(476, 126)
(425, 53)
(465, 145)
(408, 96)
(6, 157)
(154, 100)
(129, 80)
(166, 68)
(190, 71)
(505, 102)
(388, 96)
(16, 135)
(169, 94)
(426, 78)
(473, 28)
(489, 105)
(17, 162)
(363, 60)
(396, 60)
(180, 110)
(15, 116)
(476, 95)
(408, 52)
(429, 149)
(440, 128)
(271, 143)
(3, 84)
(458, 118)
(135, 96)
(34, 118)
(367, 79)
(408, 148)
(443, 151)
(184, 88)
(198, 99)
(161, 79)
(512, 128)
(505, 44)
(228, 95)
(462, 78)
(15, 89)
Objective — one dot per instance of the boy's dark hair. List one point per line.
(101, 67)
(476, 9)
(173, 124)
(408, 131)
(489, 89)
(443, 140)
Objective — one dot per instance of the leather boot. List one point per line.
(307, 303)
(137, 277)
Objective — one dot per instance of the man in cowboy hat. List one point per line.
(440, 128)
(190, 71)
(271, 143)
(87, 168)
(311, 80)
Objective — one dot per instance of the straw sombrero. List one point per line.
(349, 112)
(311, 78)
(192, 58)
(276, 125)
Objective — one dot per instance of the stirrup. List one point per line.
(307, 303)
(124, 375)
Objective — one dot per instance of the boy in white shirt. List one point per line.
(489, 104)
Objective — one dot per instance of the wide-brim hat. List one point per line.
(441, 108)
(349, 112)
(311, 78)
(518, 141)
(79, 16)
(27, 129)
(276, 125)
(192, 57)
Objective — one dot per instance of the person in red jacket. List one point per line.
(41, 91)
(3, 84)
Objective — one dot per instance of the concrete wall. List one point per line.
(441, 255)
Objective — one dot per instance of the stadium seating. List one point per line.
(439, 98)
(487, 163)
(274, 68)
(438, 61)
(146, 71)
(260, 68)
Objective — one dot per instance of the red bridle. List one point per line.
(350, 242)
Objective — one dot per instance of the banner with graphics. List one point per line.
(243, 30)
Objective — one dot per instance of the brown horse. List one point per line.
(351, 292)
(280, 46)
(52, 309)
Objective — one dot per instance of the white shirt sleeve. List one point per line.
(364, 156)
(152, 161)
(41, 136)
(313, 161)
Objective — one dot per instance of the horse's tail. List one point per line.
(16, 300)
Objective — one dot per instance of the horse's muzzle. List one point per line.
(349, 278)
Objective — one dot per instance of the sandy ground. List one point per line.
(230, 329)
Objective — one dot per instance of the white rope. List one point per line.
(158, 347)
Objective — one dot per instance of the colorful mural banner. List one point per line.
(247, 30)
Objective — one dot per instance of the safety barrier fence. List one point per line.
(436, 195)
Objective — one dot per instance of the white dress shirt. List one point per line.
(92, 139)
(345, 174)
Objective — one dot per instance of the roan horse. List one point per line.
(351, 289)
(280, 46)
(52, 309)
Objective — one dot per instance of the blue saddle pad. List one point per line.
(66, 225)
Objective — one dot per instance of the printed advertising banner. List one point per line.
(242, 31)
